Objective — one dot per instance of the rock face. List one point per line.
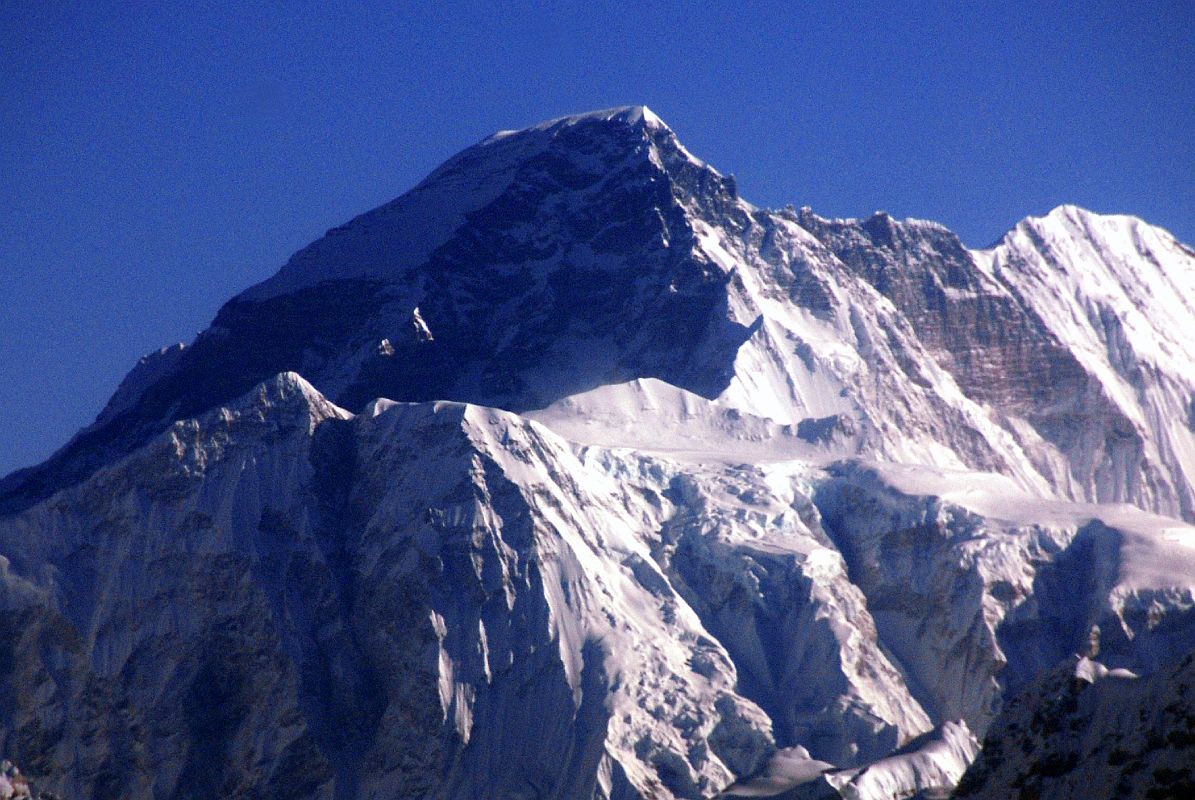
(1082, 730)
(670, 495)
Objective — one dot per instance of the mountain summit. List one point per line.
(571, 473)
(542, 262)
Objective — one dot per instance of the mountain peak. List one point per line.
(650, 452)
(1077, 222)
(633, 119)
(632, 116)
(563, 155)
(1092, 235)
(286, 395)
(592, 250)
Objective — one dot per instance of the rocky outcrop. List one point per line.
(1082, 730)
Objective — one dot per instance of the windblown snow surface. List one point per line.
(572, 474)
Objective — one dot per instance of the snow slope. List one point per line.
(390, 602)
(1121, 294)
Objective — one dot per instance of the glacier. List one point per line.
(572, 474)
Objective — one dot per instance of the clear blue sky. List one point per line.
(155, 162)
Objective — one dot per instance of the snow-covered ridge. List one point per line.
(414, 225)
(678, 620)
(628, 115)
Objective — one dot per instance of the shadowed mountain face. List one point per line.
(573, 266)
(678, 493)
(1082, 730)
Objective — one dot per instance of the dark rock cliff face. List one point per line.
(1078, 731)
(997, 346)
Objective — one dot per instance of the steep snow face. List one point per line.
(1121, 295)
(278, 598)
(425, 585)
(744, 547)
(441, 598)
(392, 601)
(976, 587)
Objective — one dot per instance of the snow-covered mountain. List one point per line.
(664, 495)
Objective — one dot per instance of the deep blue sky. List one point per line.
(155, 162)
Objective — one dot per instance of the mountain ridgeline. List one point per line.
(572, 474)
